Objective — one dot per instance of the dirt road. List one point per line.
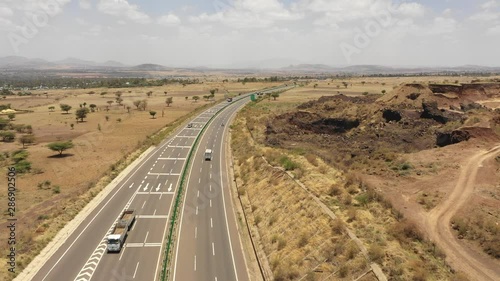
(475, 265)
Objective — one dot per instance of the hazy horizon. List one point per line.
(239, 33)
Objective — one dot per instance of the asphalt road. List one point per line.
(209, 246)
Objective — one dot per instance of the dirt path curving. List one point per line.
(437, 223)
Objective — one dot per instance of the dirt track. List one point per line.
(475, 265)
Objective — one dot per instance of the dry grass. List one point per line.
(103, 146)
(393, 243)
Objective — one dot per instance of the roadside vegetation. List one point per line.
(298, 239)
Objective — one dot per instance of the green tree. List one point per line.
(384, 91)
(92, 107)
(149, 94)
(195, 98)
(65, 107)
(128, 109)
(212, 92)
(7, 136)
(60, 146)
(186, 98)
(275, 95)
(11, 116)
(26, 139)
(152, 113)
(81, 113)
(345, 84)
(110, 102)
(51, 108)
(169, 101)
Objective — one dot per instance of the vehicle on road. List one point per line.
(208, 154)
(190, 125)
(229, 99)
(117, 237)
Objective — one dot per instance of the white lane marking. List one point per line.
(197, 210)
(158, 188)
(213, 249)
(159, 198)
(201, 169)
(158, 176)
(91, 265)
(142, 181)
(154, 213)
(136, 267)
(147, 233)
(199, 180)
(143, 205)
(123, 251)
(195, 232)
(195, 263)
(198, 194)
(225, 211)
(170, 188)
(215, 278)
(211, 166)
(146, 187)
(210, 188)
(163, 167)
(131, 185)
(211, 223)
(210, 203)
(210, 176)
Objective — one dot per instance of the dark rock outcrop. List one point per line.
(391, 115)
(449, 138)
(431, 111)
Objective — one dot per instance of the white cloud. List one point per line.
(81, 21)
(490, 5)
(123, 8)
(248, 14)
(5, 12)
(149, 37)
(85, 4)
(169, 19)
(443, 25)
(412, 9)
(495, 30)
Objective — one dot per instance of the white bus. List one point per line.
(208, 154)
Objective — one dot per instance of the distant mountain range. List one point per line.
(272, 66)
(16, 62)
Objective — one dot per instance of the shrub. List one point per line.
(23, 166)
(405, 230)
(288, 164)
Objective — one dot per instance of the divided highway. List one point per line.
(208, 248)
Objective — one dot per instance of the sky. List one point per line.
(256, 33)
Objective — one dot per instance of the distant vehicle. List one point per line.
(229, 99)
(208, 154)
(117, 237)
(190, 125)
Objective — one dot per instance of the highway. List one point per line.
(208, 248)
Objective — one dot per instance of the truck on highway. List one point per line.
(208, 154)
(229, 99)
(120, 231)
